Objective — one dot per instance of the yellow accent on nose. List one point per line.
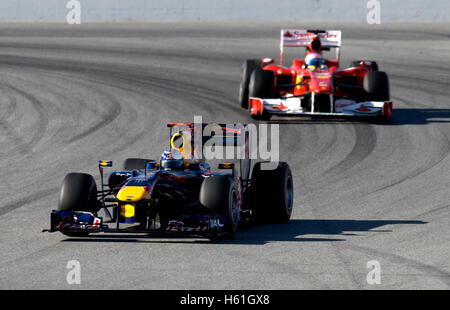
(298, 80)
(127, 210)
(132, 193)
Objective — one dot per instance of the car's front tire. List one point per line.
(261, 85)
(78, 193)
(247, 68)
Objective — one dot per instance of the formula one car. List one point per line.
(178, 194)
(314, 85)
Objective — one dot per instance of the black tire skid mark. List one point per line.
(27, 199)
(417, 172)
(120, 51)
(21, 145)
(309, 133)
(53, 88)
(41, 128)
(113, 112)
(131, 75)
(366, 141)
(82, 80)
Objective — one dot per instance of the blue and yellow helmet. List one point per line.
(314, 60)
(172, 159)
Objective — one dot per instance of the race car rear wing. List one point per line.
(302, 38)
(220, 133)
(192, 137)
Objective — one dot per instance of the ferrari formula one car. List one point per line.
(178, 194)
(314, 85)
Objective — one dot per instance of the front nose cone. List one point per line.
(132, 193)
(321, 83)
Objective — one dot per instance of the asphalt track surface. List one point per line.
(71, 95)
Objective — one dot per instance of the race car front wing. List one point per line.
(87, 222)
(339, 107)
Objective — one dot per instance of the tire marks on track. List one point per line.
(43, 118)
(27, 199)
(442, 153)
(366, 140)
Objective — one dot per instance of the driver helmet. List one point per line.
(172, 159)
(314, 61)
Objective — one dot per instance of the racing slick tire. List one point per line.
(247, 68)
(261, 85)
(272, 194)
(135, 163)
(218, 194)
(376, 84)
(78, 193)
(357, 63)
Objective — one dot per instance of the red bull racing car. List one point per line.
(314, 85)
(179, 194)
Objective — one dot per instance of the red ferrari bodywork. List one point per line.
(327, 81)
(320, 80)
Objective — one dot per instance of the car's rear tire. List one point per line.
(219, 195)
(376, 85)
(261, 85)
(135, 163)
(247, 68)
(272, 193)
